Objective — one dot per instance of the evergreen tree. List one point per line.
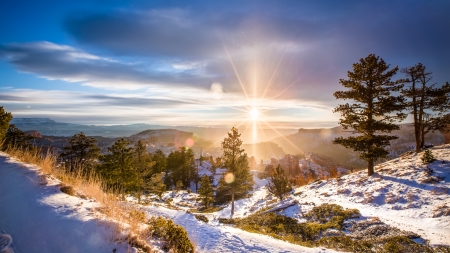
(160, 161)
(143, 167)
(179, 185)
(237, 180)
(206, 191)
(427, 157)
(440, 119)
(371, 115)
(156, 184)
(279, 184)
(14, 137)
(424, 101)
(118, 166)
(181, 166)
(81, 152)
(5, 118)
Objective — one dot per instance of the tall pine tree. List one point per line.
(118, 166)
(143, 168)
(160, 161)
(426, 103)
(81, 152)
(237, 180)
(371, 114)
(181, 166)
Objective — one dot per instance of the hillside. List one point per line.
(404, 197)
(40, 218)
(319, 141)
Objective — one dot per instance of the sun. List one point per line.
(254, 114)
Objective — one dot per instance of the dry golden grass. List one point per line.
(126, 226)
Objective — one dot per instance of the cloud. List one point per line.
(53, 61)
(191, 107)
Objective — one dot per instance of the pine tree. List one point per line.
(427, 157)
(179, 186)
(237, 180)
(143, 167)
(156, 185)
(5, 118)
(181, 166)
(426, 103)
(14, 137)
(440, 120)
(81, 151)
(206, 191)
(160, 161)
(118, 165)
(371, 115)
(279, 184)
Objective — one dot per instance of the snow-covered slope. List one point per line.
(404, 193)
(40, 218)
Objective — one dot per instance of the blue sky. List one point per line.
(205, 63)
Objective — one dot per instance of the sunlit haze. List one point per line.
(253, 64)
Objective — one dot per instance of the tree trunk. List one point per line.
(415, 115)
(232, 203)
(422, 140)
(370, 168)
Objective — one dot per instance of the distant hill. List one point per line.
(264, 150)
(319, 141)
(48, 126)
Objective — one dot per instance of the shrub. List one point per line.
(175, 236)
(69, 190)
(345, 243)
(201, 217)
(427, 157)
(399, 244)
(137, 216)
(333, 213)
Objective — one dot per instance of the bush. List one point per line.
(201, 217)
(175, 236)
(427, 157)
(137, 216)
(69, 190)
(333, 213)
(399, 244)
(345, 243)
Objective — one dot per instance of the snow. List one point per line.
(38, 218)
(215, 237)
(396, 194)
(403, 193)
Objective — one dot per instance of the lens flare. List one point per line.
(189, 142)
(229, 178)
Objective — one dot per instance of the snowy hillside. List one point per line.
(403, 193)
(40, 218)
(403, 197)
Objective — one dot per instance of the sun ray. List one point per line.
(273, 76)
(223, 136)
(235, 71)
(284, 137)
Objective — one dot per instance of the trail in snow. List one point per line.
(37, 218)
(214, 237)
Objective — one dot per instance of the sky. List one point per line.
(205, 63)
